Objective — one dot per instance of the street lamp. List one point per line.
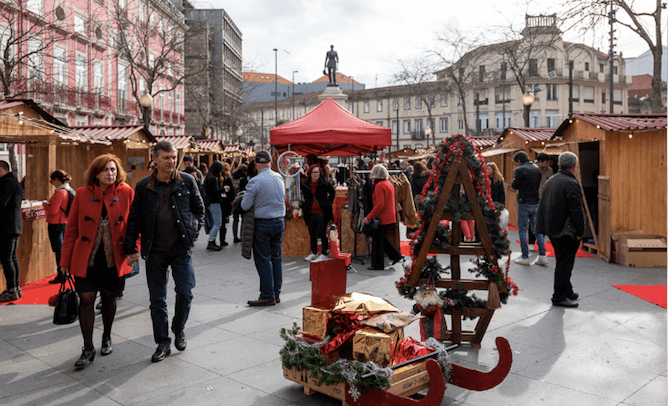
(276, 85)
(427, 133)
(527, 99)
(293, 93)
(146, 101)
(239, 133)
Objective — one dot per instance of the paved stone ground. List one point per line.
(609, 351)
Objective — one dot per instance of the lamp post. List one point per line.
(293, 93)
(427, 133)
(527, 99)
(276, 85)
(239, 133)
(146, 101)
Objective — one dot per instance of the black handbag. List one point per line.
(67, 304)
(374, 223)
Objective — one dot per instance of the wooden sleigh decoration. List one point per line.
(408, 380)
(459, 177)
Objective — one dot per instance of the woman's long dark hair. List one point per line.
(418, 171)
(216, 172)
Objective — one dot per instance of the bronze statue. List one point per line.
(331, 60)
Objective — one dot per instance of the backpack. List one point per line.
(70, 198)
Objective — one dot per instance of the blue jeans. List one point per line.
(527, 212)
(9, 244)
(217, 215)
(184, 279)
(267, 255)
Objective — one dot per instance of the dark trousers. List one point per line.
(565, 249)
(381, 245)
(56, 232)
(268, 255)
(9, 244)
(316, 229)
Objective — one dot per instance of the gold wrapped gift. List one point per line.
(363, 303)
(314, 322)
(371, 344)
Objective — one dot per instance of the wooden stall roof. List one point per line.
(550, 149)
(210, 145)
(179, 141)
(498, 151)
(231, 148)
(617, 122)
(485, 142)
(528, 134)
(137, 133)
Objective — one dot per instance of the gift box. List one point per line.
(363, 303)
(371, 344)
(314, 322)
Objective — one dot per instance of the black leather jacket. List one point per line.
(562, 198)
(527, 183)
(187, 208)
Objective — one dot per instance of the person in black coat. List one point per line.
(11, 227)
(562, 201)
(496, 183)
(420, 177)
(317, 207)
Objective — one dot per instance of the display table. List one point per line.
(36, 259)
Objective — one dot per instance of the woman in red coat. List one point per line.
(384, 205)
(93, 247)
(56, 216)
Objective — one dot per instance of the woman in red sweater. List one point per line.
(93, 250)
(383, 208)
(57, 209)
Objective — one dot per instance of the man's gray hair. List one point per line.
(567, 160)
(162, 146)
(379, 172)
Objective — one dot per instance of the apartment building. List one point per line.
(88, 62)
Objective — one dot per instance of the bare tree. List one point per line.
(592, 16)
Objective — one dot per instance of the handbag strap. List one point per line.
(70, 280)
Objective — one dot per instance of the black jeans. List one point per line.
(56, 232)
(316, 229)
(9, 244)
(565, 249)
(381, 245)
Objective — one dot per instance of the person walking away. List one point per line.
(240, 180)
(57, 209)
(265, 193)
(212, 185)
(92, 252)
(11, 227)
(526, 181)
(317, 207)
(227, 194)
(561, 217)
(168, 212)
(384, 207)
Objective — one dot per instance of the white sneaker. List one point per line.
(321, 257)
(542, 260)
(310, 257)
(522, 261)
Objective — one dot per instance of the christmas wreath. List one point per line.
(460, 207)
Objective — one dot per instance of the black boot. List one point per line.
(86, 355)
(213, 247)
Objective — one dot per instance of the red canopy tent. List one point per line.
(329, 129)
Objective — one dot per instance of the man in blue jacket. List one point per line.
(168, 212)
(526, 181)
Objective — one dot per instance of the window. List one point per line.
(533, 88)
(551, 118)
(407, 103)
(614, 70)
(601, 68)
(80, 121)
(418, 103)
(98, 77)
(418, 127)
(484, 121)
(550, 64)
(499, 123)
(380, 123)
(552, 93)
(586, 66)
(379, 105)
(142, 12)
(170, 100)
(395, 105)
(407, 126)
(588, 94)
(603, 99)
(36, 6)
(394, 126)
(481, 73)
(444, 100)
(5, 35)
(460, 101)
(617, 96)
(271, 115)
(141, 86)
(59, 70)
(290, 114)
(460, 124)
(178, 102)
(350, 108)
(501, 94)
(122, 82)
(533, 67)
(576, 93)
(299, 112)
(79, 25)
(122, 3)
(444, 125)
(366, 107)
(35, 59)
(534, 119)
(431, 102)
(80, 72)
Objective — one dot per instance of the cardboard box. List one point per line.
(371, 344)
(643, 251)
(314, 322)
(615, 236)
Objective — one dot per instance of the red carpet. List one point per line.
(406, 249)
(511, 227)
(655, 294)
(549, 251)
(37, 292)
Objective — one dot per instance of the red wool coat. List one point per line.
(84, 219)
(383, 203)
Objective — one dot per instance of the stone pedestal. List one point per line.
(335, 93)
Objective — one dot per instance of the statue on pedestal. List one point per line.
(331, 60)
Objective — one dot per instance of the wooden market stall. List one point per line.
(209, 151)
(327, 130)
(185, 144)
(24, 122)
(622, 170)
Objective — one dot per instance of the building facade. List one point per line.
(261, 87)
(74, 58)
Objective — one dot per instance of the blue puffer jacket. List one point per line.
(187, 208)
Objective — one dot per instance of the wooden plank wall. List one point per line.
(637, 170)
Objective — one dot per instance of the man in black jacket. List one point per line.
(168, 212)
(562, 200)
(526, 181)
(11, 227)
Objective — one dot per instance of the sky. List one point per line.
(372, 36)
